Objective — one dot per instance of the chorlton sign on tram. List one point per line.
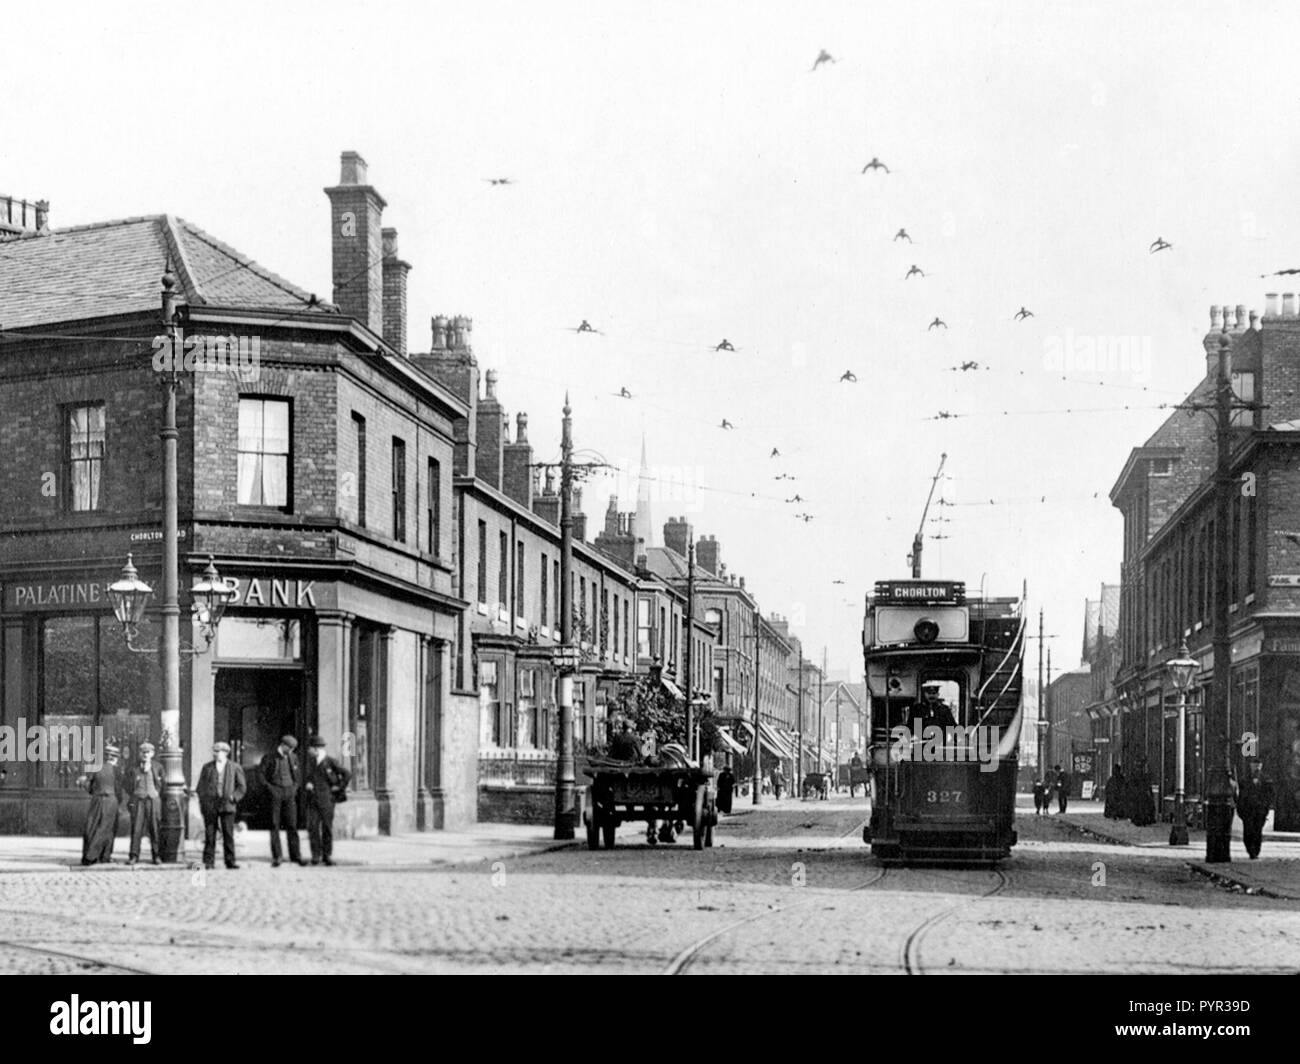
(951, 592)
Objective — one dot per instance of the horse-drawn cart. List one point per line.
(622, 792)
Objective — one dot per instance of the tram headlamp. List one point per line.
(926, 631)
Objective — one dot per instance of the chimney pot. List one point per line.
(439, 333)
(1216, 317)
(1254, 321)
(1270, 305)
(505, 428)
(1241, 315)
(390, 241)
(1288, 304)
(352, 169)
(42, 215)
(491, 384)
(521, 434)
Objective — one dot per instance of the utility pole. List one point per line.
(821, 677)
(1218, 783)
(756, 784)
(1047, 694)
(691, 744)
(798, 772)
(837, 734)
(565, 781)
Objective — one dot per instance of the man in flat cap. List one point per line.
(101, 818)
(143, 787)
(327, 783)
(220, 788)
(280, 773)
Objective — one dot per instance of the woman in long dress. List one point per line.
(1116, 795)
(1142, 809)
(101, 817)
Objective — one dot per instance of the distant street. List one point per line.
(788, 887)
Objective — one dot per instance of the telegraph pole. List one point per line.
(691, 745)
(565, 781)
(798, 772)
(1047, 695)
(756, 783)
(1218, 784)
(821, 677)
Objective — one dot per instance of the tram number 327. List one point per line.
(943, 797)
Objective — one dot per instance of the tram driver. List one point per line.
(933, 709)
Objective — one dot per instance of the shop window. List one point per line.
(364, 743)
(530, 723)
(263, 455)
(84, 462)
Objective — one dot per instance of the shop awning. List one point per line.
(771, 741)
(731, 743)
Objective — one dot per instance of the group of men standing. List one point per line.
(221, 786)
(1057, 782)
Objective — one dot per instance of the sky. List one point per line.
(680, 174)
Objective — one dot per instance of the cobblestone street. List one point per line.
(788, 887)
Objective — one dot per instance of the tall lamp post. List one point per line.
(129, 596)
(1181, 670)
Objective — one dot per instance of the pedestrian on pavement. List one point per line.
(1040, 796)
(1063, 782)
(1254, 800)
(778, 782)
(280, 773)
(143, 787)
(220, 789)
(327, 785)
(726, 788)
(1142, 807)
(1116, 786)
(101, 815)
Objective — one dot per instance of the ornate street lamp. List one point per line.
(130, 595)
(1181, 670)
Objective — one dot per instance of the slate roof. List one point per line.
(113, 268)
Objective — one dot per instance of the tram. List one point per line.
(944, 678)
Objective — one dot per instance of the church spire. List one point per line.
(643, 523)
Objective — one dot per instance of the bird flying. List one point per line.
(775, 453)
(623, 393)
(587, 327)
(937, 323)
(797, 498)
(914, 269)
(1022, 314)
(837, 581)
(823, 57)
(499, 180)
(876, 164)
(1280, 273)
(805, 518)
(1158, 244)
(850, 376)
(726, 424)
(725, 345)
(942, 415)
(968, 366)
(902, 235)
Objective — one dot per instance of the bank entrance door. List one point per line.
(253, 709)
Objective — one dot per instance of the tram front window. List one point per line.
(940, 703)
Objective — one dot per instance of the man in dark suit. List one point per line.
(327, 783)
(221, 787)
(143, 787)
(280, 773)
(1063, 783)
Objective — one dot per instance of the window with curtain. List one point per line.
(85, 456)
(263, 454)
(358, 485)
(433, 516)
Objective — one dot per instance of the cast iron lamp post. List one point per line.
(1181, 670)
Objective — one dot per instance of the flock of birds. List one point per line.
(875, 166)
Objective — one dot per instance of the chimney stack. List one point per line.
(518, 459)
(677, 535)
(395, 271)
(579, 518)
(489, 456)
(458, 372)
(356, 236)
(706, 554)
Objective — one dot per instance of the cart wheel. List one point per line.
(608, 827)
(698, 822)
(593, 831)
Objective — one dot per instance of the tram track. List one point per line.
(101, 967)
(910, 958)
(682, 962)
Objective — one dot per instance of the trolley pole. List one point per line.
(565, 778)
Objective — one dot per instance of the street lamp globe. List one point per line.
(129, 595)
(212, 594)
(1182, 669)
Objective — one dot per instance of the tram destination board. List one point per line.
(934, 592)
